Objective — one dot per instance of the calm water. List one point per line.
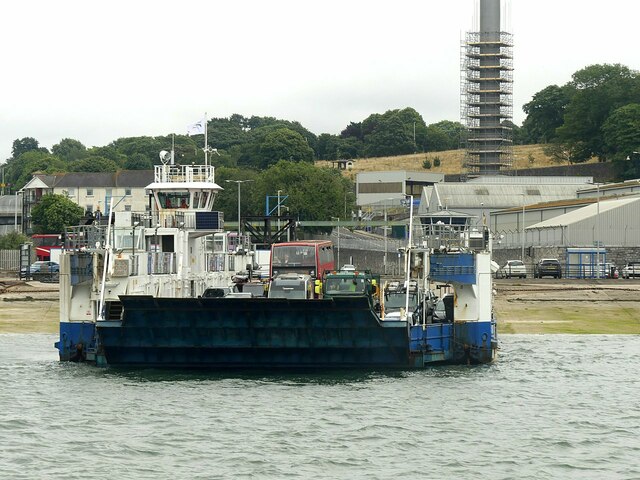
(553, 407)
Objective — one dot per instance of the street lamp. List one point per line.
(598, 232)
(338, 218)
(238, 182)
(522, 232)
(279, 213)
(385, 234)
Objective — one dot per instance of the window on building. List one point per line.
(380, 187)
(88, 209)
(89, 192)
(127, 208)
(127, 192)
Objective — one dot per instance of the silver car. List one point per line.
(631, 270)
(513, 268)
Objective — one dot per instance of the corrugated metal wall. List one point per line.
(9, 260)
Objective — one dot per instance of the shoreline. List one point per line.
(521, 307)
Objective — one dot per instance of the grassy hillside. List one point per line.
(525, 156)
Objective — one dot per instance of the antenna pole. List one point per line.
(206, 144)
(173, 148)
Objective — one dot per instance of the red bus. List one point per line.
(311, 257)
(44, 242)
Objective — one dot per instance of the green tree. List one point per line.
(108, 152)
(69, 150)
(621, 131)
(12, 240)
(260, 122)
(565, 152)
(443, 135)
(629, 168)
(396, 132)
(23, 145)
(349, 148)
(20, 170)
(94, 164)
(354, 130)
(138, 161)
(327, 147)
(314, 193)
(54, 213)
(545, 113)
(224, 133)
(389, 137)
(227, 199)
(599, 90)
(284, 144)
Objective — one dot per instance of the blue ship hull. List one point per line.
(238, 333)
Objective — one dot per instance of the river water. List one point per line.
(553, 406)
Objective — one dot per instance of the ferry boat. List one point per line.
(149, 291)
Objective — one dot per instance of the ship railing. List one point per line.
(184, 174)
(192, 220)
(85, 236)
(161, 263)
(216, 262)
(452, 238)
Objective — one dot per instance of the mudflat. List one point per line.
(606, 306)
(521, 306)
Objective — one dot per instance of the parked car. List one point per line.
(348, 268)
(42, 266)
(547, 267)
(631, 270)
(513, 268)
(608, 270)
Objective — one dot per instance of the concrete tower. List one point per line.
(486, 93)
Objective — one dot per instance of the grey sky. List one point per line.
(97, 71)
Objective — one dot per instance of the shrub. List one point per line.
(426, 164)
(436, 161)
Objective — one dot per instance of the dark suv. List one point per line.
(547, 267)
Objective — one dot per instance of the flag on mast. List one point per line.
(196, 128)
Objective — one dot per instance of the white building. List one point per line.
(92, 191)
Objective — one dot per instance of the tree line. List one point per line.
(595, 114)
(242, 142)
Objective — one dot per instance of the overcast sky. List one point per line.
(98, 71)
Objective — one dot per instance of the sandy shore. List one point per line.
(28, 307)
(521, 306)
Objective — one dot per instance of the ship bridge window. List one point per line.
(200, 199)
(173, 199)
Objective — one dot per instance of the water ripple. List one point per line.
(554, 406)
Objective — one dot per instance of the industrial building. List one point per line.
(484, 195)
(10, 213)
(378, 187)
